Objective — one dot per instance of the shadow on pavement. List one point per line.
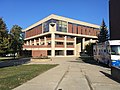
(89, 60)
(109, 76)
(14, 62)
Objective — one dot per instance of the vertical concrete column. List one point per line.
(90, 40)
(35, 42)
(39, 41)
(83, 44)
(65, 45)
(75, 46)
(53, 44)
(45, 40)
(30, 42)
(52, 27)
(27, 42)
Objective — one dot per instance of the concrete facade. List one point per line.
(57, 36)
(114, 14)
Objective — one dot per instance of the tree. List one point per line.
(89, 49)
(16, 39)
(4, 41)
(103, 36)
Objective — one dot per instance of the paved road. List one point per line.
(72, 74)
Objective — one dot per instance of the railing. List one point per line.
(70, 39)
(60, 38)
(70, 46)
(42, 39)
(36, 46)
(59, 46)
(48, 38)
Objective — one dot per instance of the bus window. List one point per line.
(115, 49)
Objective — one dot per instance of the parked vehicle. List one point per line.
(107, 52)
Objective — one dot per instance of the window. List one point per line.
(61, 26)
(69, 43)
(115, 49)
(48, 52)
(58, 36)
(70, 52)
(77, 30)
(70, 37)
(45, 27)
(58, 43)
(59, 52)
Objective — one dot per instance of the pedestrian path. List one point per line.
(71, 74)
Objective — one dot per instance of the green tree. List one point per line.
(89, 49)
(16, 39)
(103, 36)
(4, 41)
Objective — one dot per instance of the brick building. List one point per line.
(114, 15)
(57, 36)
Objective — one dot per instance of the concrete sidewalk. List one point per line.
(72, 75)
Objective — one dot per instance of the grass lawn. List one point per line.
(11, 77)
(4, 58)
(8, 58)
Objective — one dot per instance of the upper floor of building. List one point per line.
(62, 25)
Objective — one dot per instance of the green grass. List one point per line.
(11, 77)
(8, 58)
(11, 58)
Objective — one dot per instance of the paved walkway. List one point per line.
(72, 74)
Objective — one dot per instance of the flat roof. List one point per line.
(53, 16)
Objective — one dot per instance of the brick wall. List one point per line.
(79, 29)
(34, 31)
(37, 53)
(75, 29)
(87, 31)
(69, 28)
(84, 30)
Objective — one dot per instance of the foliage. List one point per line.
(16, 38)
(12, 77)
(4, 41)
(89, 49)
(10, 42)
(103, 36)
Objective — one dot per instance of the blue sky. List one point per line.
(27, 12)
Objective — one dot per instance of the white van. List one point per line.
(108, 52)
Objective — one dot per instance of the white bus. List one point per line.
(108, 52)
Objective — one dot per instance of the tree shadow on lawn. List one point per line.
(89, 60)
(14, 62)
